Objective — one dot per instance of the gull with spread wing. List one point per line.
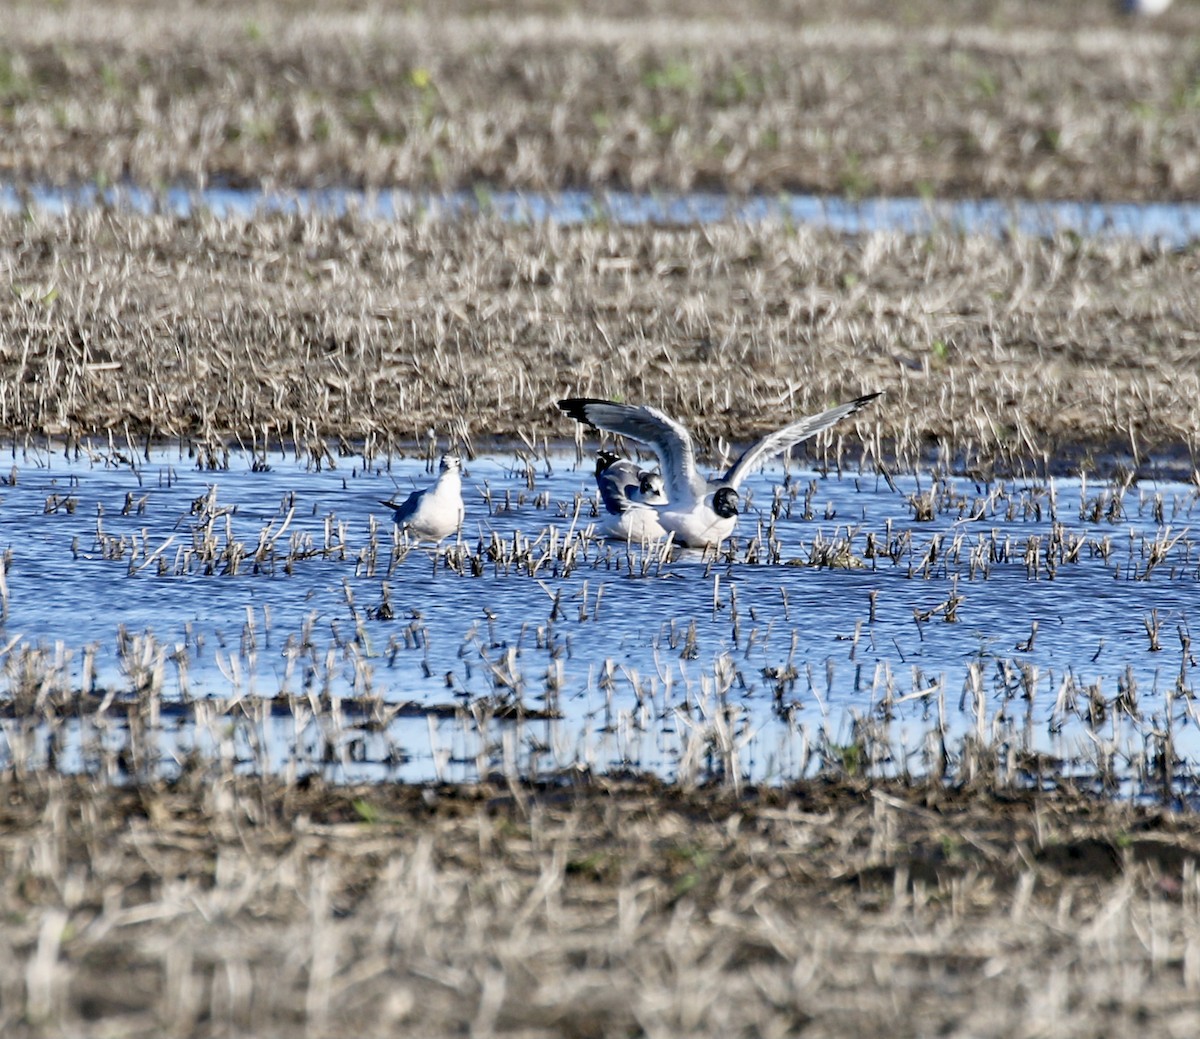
(699, 512)
(436, 511)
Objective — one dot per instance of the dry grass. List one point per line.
(997, 352)
(604, 910)
(312, 328)
(1044, 100)
(229, 906)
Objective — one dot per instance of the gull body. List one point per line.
(699, 512)
(629, 495)
(435, 512)
(1146, 8)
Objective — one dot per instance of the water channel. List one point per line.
(1172, 224)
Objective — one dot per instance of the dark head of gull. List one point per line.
(650, 484)
(725, 502)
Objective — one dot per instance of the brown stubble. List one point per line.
(608, 908)
(999, 352)
(1022, 98)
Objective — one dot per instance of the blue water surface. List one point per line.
(1019, 616)
(1171, 224)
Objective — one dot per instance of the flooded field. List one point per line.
(914, 755)
(264, 616)
(1167, 224)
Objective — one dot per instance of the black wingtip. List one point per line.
(863, 401)
(577, 407)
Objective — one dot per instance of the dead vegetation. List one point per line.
(605, 909)
(306, 328)
(1004, 98)
(216, 905)
(993, 353)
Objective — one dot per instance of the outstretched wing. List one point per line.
(670, 441)
(778, 442)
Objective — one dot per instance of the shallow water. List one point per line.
(141, 583)
(1172, 224)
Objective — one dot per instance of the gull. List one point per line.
(1147, 8)
(629, 495)
(436, 511)
(699, 512)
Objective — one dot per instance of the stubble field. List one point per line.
(598, 907)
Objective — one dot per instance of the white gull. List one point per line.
(629, 495)
(700, 512)
(436, 511)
